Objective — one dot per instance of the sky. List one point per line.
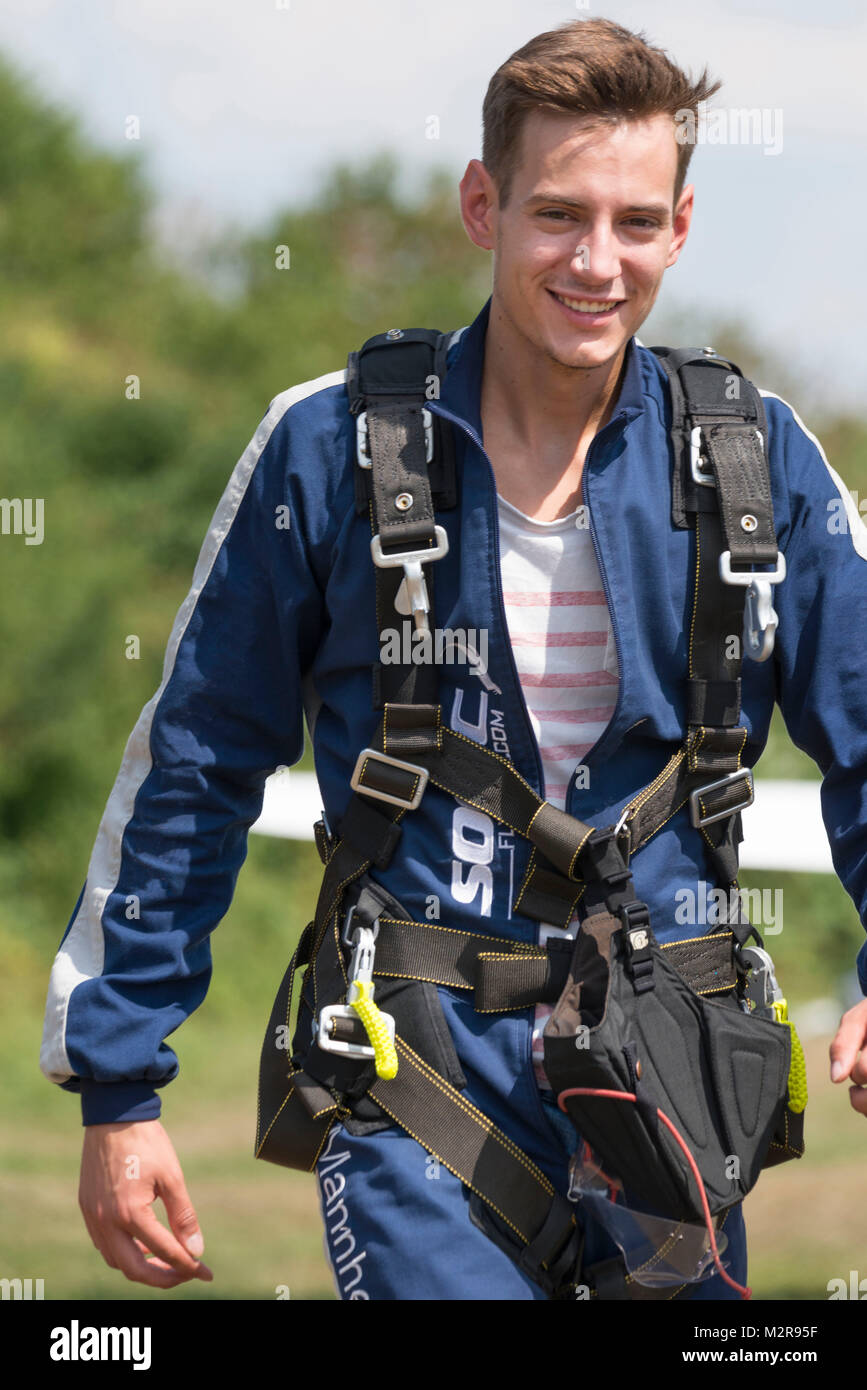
(243, 105)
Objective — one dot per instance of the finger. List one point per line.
(132, 1263)
(181, 1213)
(163, 1243)
(153, 1260)
(858, 1074)
(858, 1099)
(847, 1041)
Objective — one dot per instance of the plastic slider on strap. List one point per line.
(397, 782)
(699, 820)
(638, 937)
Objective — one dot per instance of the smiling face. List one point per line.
(587, 234)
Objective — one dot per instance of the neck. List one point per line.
(539, 418)
(543, 404)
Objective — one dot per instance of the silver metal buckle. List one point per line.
(747, 577)
(356, 785)
(410, 557)
(362, 443)
(412, 561)
(695, 457)
(695, 815)
(699, 475)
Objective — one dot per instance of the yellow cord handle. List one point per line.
(384, 1052)
(798, 1066)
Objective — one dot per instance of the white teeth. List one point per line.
(587, 306)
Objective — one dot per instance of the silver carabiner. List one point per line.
(760, 621)
(762, 989)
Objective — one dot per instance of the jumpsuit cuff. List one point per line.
(112, 1102)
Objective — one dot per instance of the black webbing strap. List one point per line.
(721, 477)
(396, 439)
(706, 390)
(389, 380)
(369, 830)
(400, 682)
(547, 896)
(491, 1165)
(507, 975)
(715, 738)
(294, 1112)
(715, 637)
(743, 487)
(400, 363)
(482, 778)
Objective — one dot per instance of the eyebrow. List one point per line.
(659, 209)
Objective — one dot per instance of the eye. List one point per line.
(643, 222)
(556, 213)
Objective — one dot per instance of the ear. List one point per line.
(479, 205)
(681, 223)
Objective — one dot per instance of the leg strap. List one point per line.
(487, 1161)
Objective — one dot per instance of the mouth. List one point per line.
(587, 310)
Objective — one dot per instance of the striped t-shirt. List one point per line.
(564, 650)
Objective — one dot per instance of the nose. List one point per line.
(597, 254)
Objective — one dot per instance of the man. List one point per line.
(559, 413)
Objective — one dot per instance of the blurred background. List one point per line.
(152, 159)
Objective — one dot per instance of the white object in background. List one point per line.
(783, 829)
(292, 803)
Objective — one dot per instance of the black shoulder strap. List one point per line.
(710, 394)
(404, 366)
(721, 488)
(405, 471)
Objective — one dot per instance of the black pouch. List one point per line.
(302, 1092)
(719, 1074)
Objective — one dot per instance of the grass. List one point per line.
(806, 1220)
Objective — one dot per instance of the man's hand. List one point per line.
(847, 1059)
(124, 1168)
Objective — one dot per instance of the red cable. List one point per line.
(630, 1095)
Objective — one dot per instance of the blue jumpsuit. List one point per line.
(280, 626)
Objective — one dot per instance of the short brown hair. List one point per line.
(589, 67)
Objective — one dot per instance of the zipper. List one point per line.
(504, 625)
